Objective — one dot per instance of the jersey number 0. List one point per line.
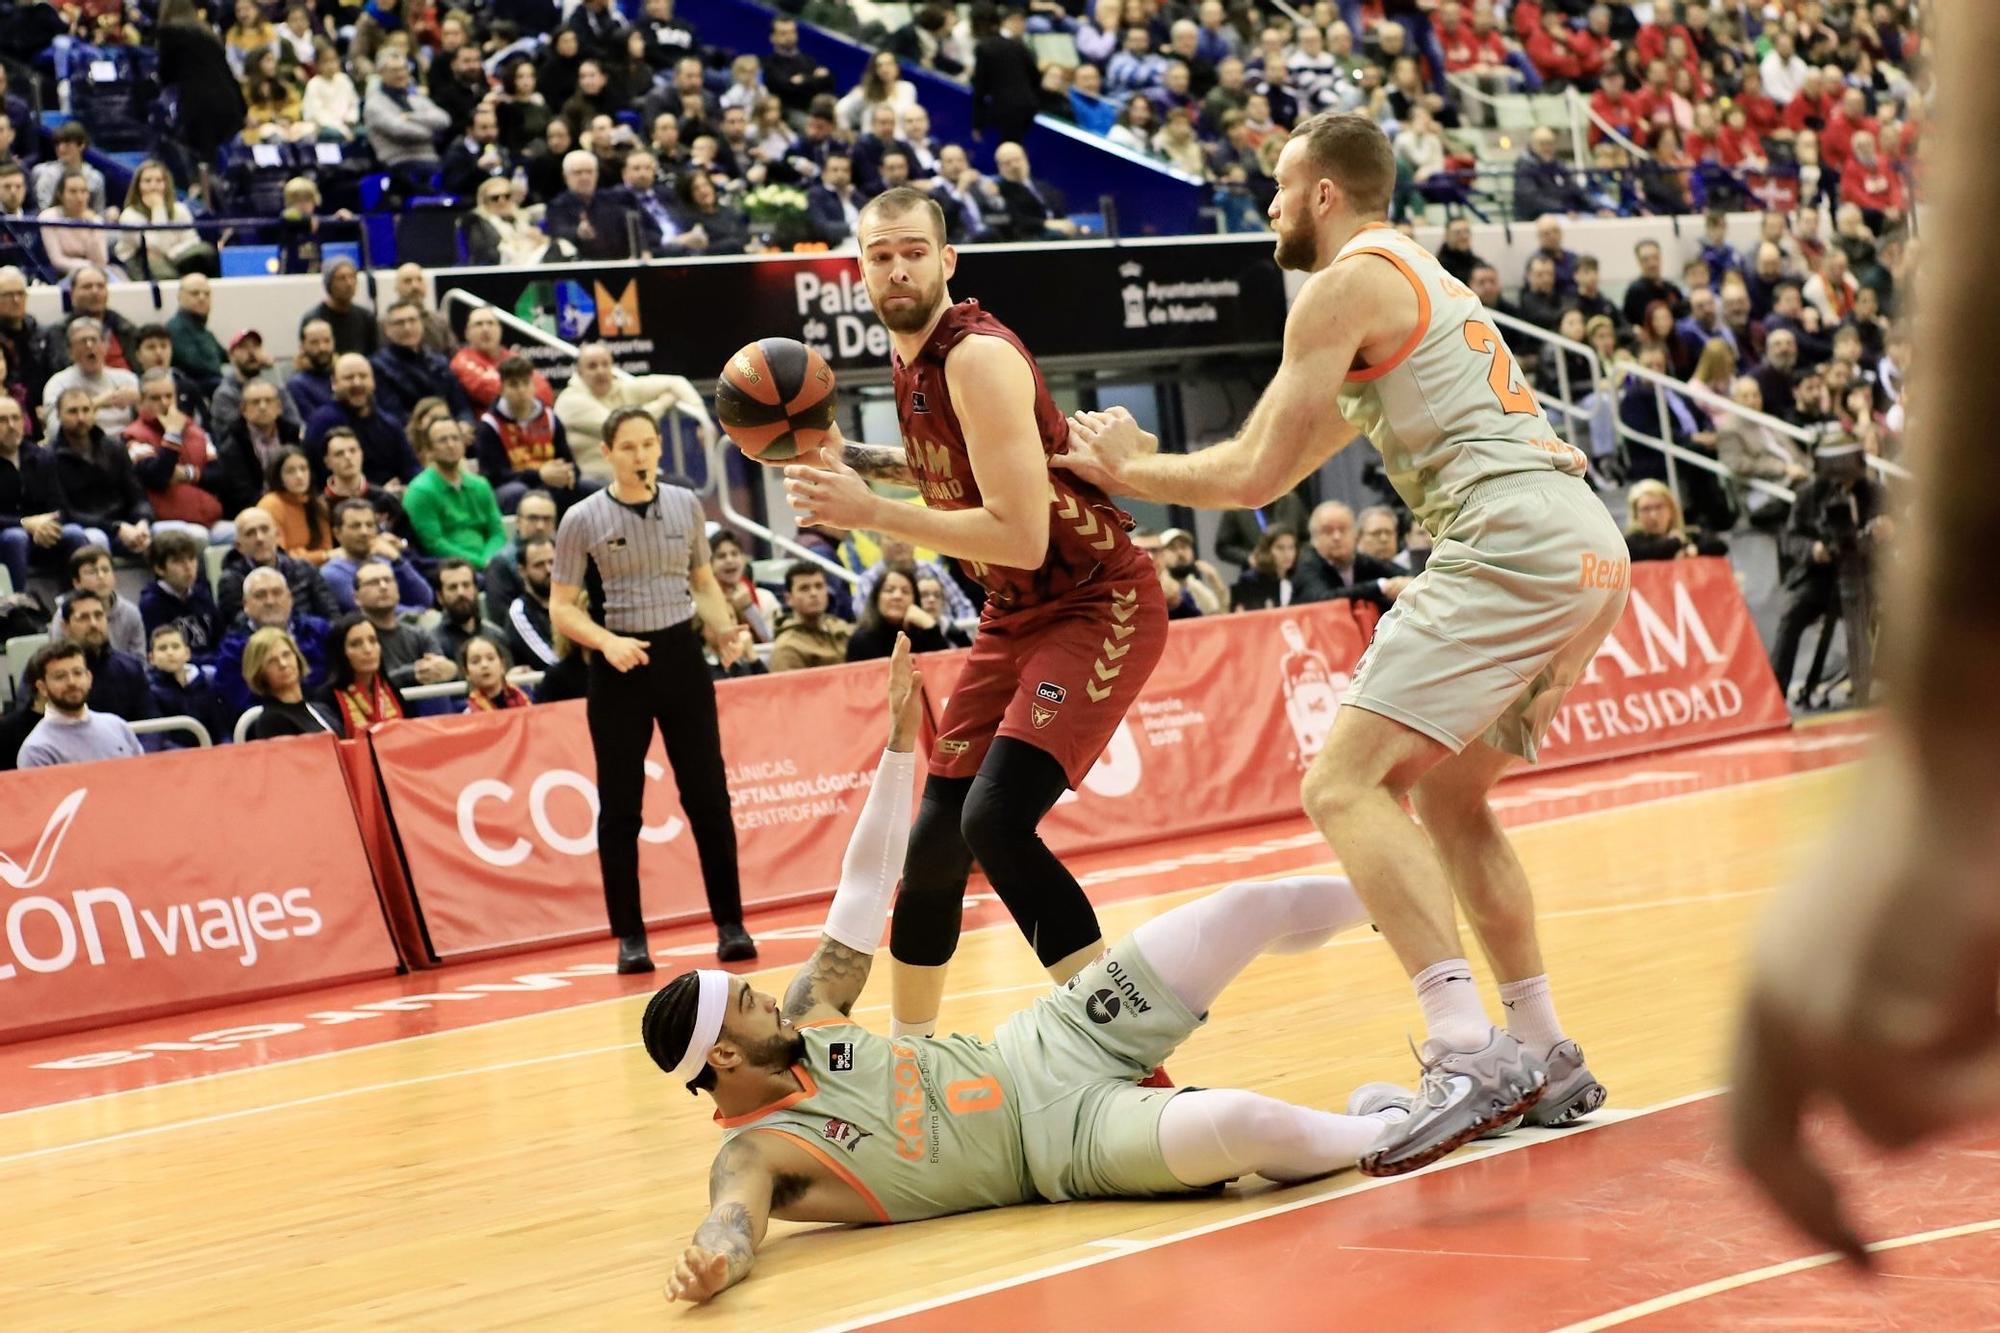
(1515, 400)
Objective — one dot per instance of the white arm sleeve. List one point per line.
(874, 860)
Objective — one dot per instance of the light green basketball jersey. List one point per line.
(1451, 408)
(919, 1126)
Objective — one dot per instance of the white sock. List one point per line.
(1531, 1014)
(1453, 1013)
(922, 1028)
(1214, 1134)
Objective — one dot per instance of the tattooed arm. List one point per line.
(879, 462)
(831, 982)
(832, 978)
(740, 1189)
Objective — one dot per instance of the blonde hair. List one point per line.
(258, 652)
(1642, 490)
(1717, 363)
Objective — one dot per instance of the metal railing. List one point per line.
(1580, 114)
(712, 446)
(1662, 386)
(155, 726)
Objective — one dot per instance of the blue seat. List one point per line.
(249, 261)
(1091, 223)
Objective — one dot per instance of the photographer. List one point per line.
(1831, 539)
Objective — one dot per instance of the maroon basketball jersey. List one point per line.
(1087, 533)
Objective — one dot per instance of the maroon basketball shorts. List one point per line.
(1058, 676)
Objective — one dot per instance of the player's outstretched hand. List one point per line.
(830, 494)
(1872, 991)
(1101, 444)
(906, 696)
(699, 1276)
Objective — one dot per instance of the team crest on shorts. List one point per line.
(918, 403)
(843, 1133)
(1041, 716)
(840, 1056)
(1051, 692)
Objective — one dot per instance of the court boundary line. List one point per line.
(1329, 863)
(1673, 1300)
(318, 1098)
(1349, 939)
(1517, 1142)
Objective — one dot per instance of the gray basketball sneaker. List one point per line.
(1376, 1098)
(1572, 1093)
(1462, 1095)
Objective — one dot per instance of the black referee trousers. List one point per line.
(673, 689)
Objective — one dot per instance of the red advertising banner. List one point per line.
(119, 904)
(497, 811)
(1221, 734)
(1685, 664)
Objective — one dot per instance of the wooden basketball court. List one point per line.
(487, 1146)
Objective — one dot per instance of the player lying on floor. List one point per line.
(826, 1122)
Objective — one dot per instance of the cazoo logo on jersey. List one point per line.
(50, 932)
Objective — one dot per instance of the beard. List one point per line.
(913, 317)
(1298, 248)
(780, 1052)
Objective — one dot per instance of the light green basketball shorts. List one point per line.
(1523, 586)
(1076, 1055)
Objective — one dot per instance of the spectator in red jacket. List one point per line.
(1842, 123)
(1617, 107)
(1761, 114)
(1873, 184)
(1553, 49)
(477, 364)
(1651, 43)
(1660, 104)
(1815, 102)
(1466, 48)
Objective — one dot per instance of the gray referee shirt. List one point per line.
(643, 557)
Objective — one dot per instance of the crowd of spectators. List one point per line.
(600, 130)
(1692, 103)
(350, 483)
(562, 131)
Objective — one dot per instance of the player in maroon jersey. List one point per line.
(1074, 620)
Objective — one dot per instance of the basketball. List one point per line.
(775, 398)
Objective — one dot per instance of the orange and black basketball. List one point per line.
(775, 398)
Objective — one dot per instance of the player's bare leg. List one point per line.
(1476, 1078)
(1485, 875)
(1492, 888)
(916, 994)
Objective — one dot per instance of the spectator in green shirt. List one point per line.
(452, 511)
(197, 352)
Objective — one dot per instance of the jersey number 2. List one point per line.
(1514, 400)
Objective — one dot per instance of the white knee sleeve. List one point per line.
(1216, 1134)
(1199, 947)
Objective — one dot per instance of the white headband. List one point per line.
(714, 1003)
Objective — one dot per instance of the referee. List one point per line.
(642, 553)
